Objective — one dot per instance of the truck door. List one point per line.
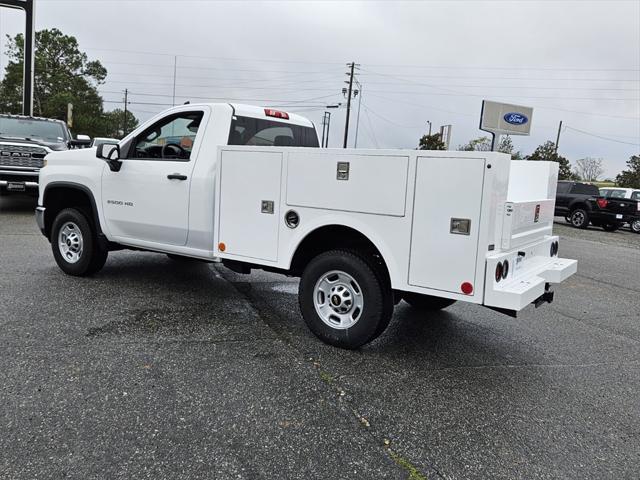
(148, 199)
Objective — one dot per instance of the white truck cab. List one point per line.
(362, 228)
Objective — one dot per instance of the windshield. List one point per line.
(29, 128)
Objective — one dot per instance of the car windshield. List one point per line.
(31, 128)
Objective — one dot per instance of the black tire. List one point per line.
(371, 282)
(579, 218)
(91, 257)
(635, 225)
(426, 303)
(610, 227)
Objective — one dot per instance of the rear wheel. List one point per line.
(74, 244)
(610, 227)
(345, 299)
(426, 303)
(635, 226)
(580, 218)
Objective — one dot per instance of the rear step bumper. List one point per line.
(529, 285)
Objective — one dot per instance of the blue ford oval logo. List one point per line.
(515, 118)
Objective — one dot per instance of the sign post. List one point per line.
(504, 119)
(29, 46)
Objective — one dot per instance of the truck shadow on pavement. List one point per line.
(18, 204)
(164, 298)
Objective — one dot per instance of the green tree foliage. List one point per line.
(483, 144)
(506, 146)
(63, 74)
(546, 151)
(114, 123)
(630, 178)
(431, 142)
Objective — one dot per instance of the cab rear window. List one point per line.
(259, 132)
(585, 189)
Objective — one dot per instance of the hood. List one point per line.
(80, 156)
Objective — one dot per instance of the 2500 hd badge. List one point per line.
(119, 202)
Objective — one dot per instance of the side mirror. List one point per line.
(81, 141)
(110, 153)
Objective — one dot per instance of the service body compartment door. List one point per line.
(375, 184)
(249, 203)
(446, 189)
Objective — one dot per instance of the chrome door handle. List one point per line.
(176, 176)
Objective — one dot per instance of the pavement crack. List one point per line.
(339, 394)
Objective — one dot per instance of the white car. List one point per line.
(619, 192)
(362, 228)
(103, 140)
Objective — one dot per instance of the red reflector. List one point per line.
(466, 288)
(602, 202)
(269, 112)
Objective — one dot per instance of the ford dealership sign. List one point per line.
(505, 118)
(515, 118)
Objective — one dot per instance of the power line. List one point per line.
(601, 137)
(388, 120)
(528, 77)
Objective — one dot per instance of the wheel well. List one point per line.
(57, 199)
(331, 237)
(575, 206)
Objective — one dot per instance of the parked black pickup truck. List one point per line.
(581, 204)
(24, 142)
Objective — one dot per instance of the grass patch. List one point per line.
(414, 473)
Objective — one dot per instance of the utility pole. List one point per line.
(175, 70)
(429, 122)
(352, 67)
(28, 51)
(355, 144)
(326, 122)
(558, 138)
(124, 120)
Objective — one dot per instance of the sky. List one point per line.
(419, 62)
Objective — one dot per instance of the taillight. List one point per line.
(554, 249)
(602, 202)
(505, 269)
(499, 268)
(467, 288)
(269, 112)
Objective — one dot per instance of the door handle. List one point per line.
(176, 176)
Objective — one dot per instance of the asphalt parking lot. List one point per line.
(156, 369)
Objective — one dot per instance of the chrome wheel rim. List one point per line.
(338, 300)
(635, 226)
(577, 219)
(70, 242)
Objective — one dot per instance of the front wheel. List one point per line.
(74, 244)
(580, 218)
(426, 302)
(345, 299)
(635, 226)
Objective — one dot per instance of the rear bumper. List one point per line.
(532, 269)
(610, 217)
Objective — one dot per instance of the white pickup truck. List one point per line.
(362, 228)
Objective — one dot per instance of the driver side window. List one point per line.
(171, 138)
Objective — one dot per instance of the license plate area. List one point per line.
(15, 186)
